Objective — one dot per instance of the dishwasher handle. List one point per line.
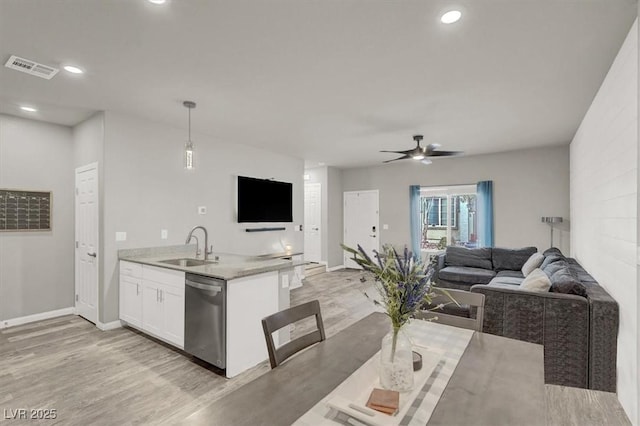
(206, 287)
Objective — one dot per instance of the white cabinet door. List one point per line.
(173, 314)
(131, 300)
(152, 320)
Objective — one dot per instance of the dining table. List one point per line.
(497, 381)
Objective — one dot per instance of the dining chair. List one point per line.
(467, 302)
(276, 321)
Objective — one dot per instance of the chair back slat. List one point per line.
(276, 321)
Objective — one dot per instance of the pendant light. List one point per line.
(188, 147)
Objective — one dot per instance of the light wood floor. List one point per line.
(122, 377)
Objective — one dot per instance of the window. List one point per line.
(448, 216)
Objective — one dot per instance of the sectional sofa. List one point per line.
(576, 319)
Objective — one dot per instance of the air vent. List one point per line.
(31, 67)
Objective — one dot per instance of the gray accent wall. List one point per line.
(528, 184)
(36, 267)
(88, 148)
(146, 190)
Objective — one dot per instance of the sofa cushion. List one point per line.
(537, 281)
(564, 282)
(512, 283)
(534, 261)
(510, 259)
(466, 275)
(473, 258)
(512, 274)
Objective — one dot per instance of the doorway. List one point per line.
(361, 222)
(86, 254)
(312, 222)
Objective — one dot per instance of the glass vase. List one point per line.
(396, 362)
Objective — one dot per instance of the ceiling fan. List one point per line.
(422, 154)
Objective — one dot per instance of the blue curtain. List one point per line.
(485, 213)
(414, 220)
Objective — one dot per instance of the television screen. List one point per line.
(261, 200)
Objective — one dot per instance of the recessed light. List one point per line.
(28, 109)
(73, 70)
(451, 16)
(157, 1)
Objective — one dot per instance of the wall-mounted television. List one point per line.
(263, 200)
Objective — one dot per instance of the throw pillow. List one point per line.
(554, 267)
(532, 263)
(550, 259)
(504, 259)
(473, 258)
(563, 282)
(537, 281)
(552, 250)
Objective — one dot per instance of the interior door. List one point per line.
(312, 220)
(361, 222)
(86, 255)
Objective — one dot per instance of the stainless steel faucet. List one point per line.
(207, 252)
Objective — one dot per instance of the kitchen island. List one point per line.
(155, 299)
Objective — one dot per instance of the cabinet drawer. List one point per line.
(130, 269)
(163, 276)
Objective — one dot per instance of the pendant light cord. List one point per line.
(189, 124)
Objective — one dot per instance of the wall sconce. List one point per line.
(188, 147)
(550, 220)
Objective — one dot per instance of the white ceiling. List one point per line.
(326, 81)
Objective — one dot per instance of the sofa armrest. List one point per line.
(603, 339)
(560, 322)
(438, 263)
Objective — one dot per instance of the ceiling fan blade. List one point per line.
(400, 152)
(443, 153)
(404, 157)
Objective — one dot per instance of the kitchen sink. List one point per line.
(187, 262)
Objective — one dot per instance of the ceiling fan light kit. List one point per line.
(422, 154)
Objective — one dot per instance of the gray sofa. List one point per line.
(576, 321)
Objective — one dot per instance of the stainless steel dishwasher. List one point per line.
(205, 319)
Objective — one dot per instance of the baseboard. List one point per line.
(36, 317)
(108, 325)
(335, 268)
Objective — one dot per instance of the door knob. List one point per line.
(91, 254)
(315, 229)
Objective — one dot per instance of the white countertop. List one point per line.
(228, 267)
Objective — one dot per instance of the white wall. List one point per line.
(146, 189)
(36, 268)
(604, 204)
(335, 217)
(528, 184)
(330, 179)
